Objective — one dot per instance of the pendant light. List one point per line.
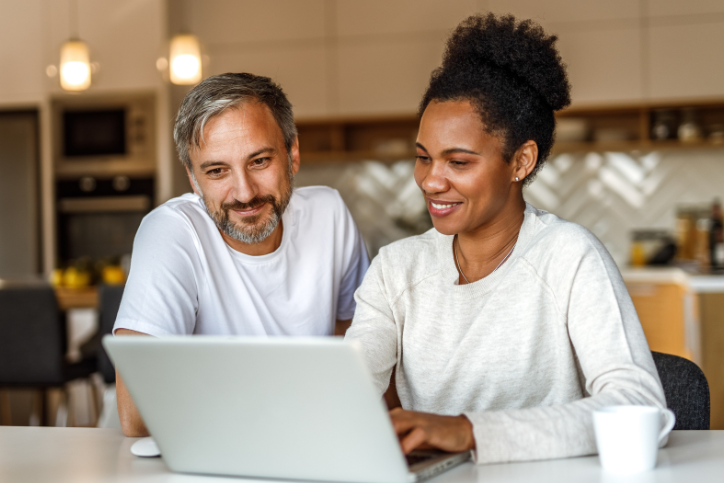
(185, 55)
(184, 62)
(75, 67)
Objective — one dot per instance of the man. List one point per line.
(244, 254)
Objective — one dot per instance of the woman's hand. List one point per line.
(424, 430)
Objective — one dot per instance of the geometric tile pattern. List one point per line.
(613, 194)
(384, 199)
(609, 193)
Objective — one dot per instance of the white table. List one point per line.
(80, 455)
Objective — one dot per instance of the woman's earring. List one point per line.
(516, 178)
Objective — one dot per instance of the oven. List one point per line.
(98, 217)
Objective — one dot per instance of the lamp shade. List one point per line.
(75, 69)
(185, 60)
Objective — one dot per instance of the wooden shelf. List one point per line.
(77, 298)
(632, 145)
(389, 139)
(633, 124)
(356, 139)
(336, 157)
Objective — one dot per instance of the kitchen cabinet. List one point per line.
(666, 308)
(391, 138)
(683, 314)
(710, 294)
(711, 306)
(681, 59)
(603, 65)
(19, 210)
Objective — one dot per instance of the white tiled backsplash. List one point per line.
(611, 194)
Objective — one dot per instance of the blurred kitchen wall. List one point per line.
(342, 58)
(125, 38)
(346, 57)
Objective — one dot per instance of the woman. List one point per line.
(504, 326)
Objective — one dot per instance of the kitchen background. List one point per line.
(639, 150)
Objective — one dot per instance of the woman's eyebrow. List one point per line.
(450, 150)
(458, 150)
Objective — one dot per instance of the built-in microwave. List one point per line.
(104, 135)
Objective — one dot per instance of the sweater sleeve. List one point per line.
(374, 326)
(613, 356)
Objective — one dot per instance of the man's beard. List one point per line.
(250, 231)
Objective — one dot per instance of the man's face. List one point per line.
(242, 172)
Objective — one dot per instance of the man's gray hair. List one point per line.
(220, 92)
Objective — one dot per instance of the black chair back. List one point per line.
(109, 298)
(32, 337)
(686, 390)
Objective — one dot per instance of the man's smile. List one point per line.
(250, 211)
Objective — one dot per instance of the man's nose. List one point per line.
(244, 188)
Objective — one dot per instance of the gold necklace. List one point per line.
(455, 252)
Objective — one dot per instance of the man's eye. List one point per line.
(214, 172)
(260, 161)
(458, 163)
(419, 157)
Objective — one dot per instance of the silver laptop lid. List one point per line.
(301, 408)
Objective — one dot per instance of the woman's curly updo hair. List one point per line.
(511, 73)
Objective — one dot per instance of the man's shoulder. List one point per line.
(318, 197)
(319, 206)
(184, 206)
(184, 214)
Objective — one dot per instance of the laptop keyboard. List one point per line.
(415, 458)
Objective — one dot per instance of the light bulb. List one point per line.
(75, 73)
(75, 69)
(185, 66)
(185, 60)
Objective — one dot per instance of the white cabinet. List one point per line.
(301, 70)
(603, 65)
(686, 60)
(386, 77)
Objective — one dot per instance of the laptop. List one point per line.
(283, 408)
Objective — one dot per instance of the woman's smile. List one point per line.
(442, 208)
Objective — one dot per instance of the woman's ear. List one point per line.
(524, 160)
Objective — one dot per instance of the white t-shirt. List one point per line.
(185, 279)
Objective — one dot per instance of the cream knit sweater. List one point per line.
(525, 353)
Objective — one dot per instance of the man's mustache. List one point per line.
(253, 203)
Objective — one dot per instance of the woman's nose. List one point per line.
(434, 179)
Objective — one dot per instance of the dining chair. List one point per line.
(33, 343)
(109, 300)
(686, 390)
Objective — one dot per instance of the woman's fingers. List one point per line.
(414, 439)
(403, 421)
(420, 430)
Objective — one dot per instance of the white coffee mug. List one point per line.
(628, 437)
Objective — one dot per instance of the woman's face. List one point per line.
(460, 169)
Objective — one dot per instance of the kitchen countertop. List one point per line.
(75, 455)
(699, 283)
